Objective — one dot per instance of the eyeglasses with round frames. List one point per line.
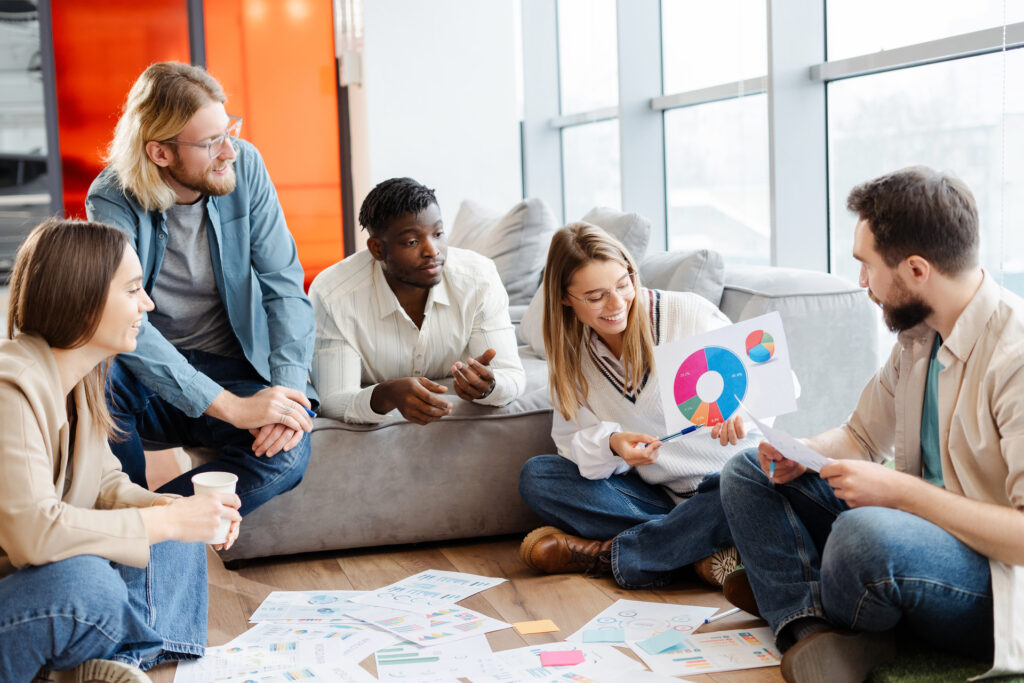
(216, 145)
(596, 300)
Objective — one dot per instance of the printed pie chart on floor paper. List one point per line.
(708, 384)
(760, 346)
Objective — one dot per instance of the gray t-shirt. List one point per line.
(189, 312)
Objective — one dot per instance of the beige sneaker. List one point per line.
(715, 567)
(101, 671)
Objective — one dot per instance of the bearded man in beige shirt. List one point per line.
(836, 560)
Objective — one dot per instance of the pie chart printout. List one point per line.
(709, 385)
(760, 346)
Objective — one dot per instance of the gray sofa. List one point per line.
(397, 482)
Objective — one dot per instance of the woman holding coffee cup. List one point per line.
(97, 574)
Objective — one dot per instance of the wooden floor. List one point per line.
(569, 600)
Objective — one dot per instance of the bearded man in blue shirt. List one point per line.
(223, 360)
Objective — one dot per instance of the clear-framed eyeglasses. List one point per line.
(215, 146)
(596, 300)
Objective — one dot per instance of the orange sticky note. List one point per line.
(540, 626)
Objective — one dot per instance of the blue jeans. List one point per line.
(58, 615)
(652, 536)
(866, 569)
(147, 418)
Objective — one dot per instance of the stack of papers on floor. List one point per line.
(418, 632)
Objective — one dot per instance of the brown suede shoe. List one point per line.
(835, 656)
(715, 567)
(737, 591)
(101, 671)
(552, 551)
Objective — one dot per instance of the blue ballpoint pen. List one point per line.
(771, 471)
(682, 432)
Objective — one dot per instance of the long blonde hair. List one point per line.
(160, 104)
(566, 338)
(59, 287)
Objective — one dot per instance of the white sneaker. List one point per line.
(101, 671)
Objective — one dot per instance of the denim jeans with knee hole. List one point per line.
(58, 615)
(867, 569)
(147, 418)
(652, 536)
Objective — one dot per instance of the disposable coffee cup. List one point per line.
(216, 482)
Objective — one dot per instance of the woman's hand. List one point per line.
(635, 448)
(730, 431)
(193, 519)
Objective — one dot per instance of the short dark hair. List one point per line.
(391, 199)
(920, 211)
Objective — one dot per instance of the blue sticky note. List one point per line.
(604, 635)
(664, 641)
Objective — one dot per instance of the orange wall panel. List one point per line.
(100, 48)
(275, 61)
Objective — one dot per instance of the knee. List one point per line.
(862, 546)
(739, 472)
(291, 464)
(68, 583)
(536, 474)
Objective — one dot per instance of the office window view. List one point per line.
(914, 82)
(24, 197)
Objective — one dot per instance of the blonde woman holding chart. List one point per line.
(620, 500)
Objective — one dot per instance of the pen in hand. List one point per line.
(682, 432)
(771, 471)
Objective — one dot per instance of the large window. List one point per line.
(716, 152)
(591, 174)
(707, 43)
(860, 27)
(716, 172)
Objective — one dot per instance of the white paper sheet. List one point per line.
(227, 662)
(703, 653)
(351, 642)
(323, 673)
(427, 590)
(445, 662)
(640, 620)
(308, 607)
(791, 447)
(602, 664)
(442, 625)
(702, 378)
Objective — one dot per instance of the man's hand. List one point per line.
(785, 469)
(730, 431)
(474, 379)
(272, 439)
(414, 397)
(862, 483)
(273, 405)
(635, 448)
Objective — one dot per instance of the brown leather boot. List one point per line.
(715, 567)
(737, 591)
(552, 551)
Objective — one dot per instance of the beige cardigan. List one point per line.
(38, 523)
(981, 427)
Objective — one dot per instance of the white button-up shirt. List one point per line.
(364, 336)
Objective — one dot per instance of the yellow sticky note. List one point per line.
(540, 626)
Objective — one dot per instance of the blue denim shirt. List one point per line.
(257, 270)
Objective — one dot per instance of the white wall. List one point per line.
(438, 101)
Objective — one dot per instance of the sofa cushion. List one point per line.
(700, 271)
(517, 241)
(632, 229)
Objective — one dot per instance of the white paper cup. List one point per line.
(216, 482)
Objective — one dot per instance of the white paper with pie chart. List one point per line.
(703, 378)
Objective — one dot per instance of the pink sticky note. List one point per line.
(561, 657)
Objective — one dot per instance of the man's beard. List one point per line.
(203, 183)
(906, 311)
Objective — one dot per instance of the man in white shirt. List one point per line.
(407, 311)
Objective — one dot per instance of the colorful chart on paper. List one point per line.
(760, 346)
(709, 385)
